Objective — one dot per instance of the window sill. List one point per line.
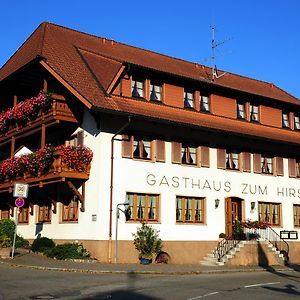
(189, 223)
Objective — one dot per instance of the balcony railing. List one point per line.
(57, 110)
(58, 171)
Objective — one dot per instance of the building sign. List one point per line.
(20, 190)
(218, 185)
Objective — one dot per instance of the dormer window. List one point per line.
(188, 99)
(285, 120)
(297, 122)
(137, 89)
(254, 113)
(204, 103)
(241, 111)
(155, 92)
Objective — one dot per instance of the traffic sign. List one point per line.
(19, 202)
(20, 190)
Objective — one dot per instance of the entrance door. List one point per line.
(233, 211)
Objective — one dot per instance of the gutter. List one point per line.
(111, 188)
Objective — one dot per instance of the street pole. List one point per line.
(15, 234)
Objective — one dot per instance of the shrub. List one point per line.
(147, 241)
(21, 242)
(68, 251)
(7, 227)
(222, 235)
(42, 243)
(5, 241)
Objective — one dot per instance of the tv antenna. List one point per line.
(214, 46)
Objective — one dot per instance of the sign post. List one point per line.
(20, 192)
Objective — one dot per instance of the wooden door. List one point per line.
(233, 213)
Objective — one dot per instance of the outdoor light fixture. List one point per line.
(126, 205)
(252, 205)
(217, 202)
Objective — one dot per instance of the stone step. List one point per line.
(212, 259)
(208, 263)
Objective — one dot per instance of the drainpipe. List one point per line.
(111, 188)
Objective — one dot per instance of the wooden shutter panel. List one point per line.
(127, 144)
(256, 163)
(205, 156)
(221, 155)
(279, 166)
(176, 152)
(160, 150)
(80, 137)
(292, 167)
(246, 159)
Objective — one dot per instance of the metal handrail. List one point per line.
(225, 245)
(270, 235)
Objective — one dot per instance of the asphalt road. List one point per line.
(25, 283)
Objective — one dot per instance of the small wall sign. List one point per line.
(20, 190)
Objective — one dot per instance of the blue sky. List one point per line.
(261, 37)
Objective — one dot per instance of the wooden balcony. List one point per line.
(59, 111)
(58, 172)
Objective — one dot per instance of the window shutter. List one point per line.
(246, 159)
(279, 166)
(205, 156)
(256, 163)
(127, 144)
(292, 167)
(160, 150)
(176, 153)
(221, 154)
(80, 137)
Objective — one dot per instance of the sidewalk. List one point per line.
(36, 261)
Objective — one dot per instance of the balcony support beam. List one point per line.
(76, 193)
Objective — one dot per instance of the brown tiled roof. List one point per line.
(89, 64)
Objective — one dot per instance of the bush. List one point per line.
(5, 241)
(7, 227)
(21, 242)
(147, 241)
(68, 251)
(41, 244)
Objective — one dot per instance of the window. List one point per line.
(76, 139)
(155, 92)
(266, 165)
(4, 214)
(137, 89)
(141, 148)
(241, 111)
(204, 103)
(188, 154)
(254, 115)
(189, 210)
(70, 211)
(188, 100)
(142, 207)
(296, 208)
(285, 120)
(269, 212)
(296, 122)
(297, 168)
(23, 215)
(232, 160)
(44, 214)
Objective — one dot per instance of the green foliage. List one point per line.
(68, 251)
(7, 227)
(21, 242)
(147, 241)
(222, 235)
(41, 244)
(5, 241)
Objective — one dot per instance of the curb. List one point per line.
(195, 272)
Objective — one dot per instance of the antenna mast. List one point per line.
(214, 45)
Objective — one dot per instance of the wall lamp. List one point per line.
(217, 202)
(118, 209)
(252, 205)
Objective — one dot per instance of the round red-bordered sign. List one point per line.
(19, 202)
